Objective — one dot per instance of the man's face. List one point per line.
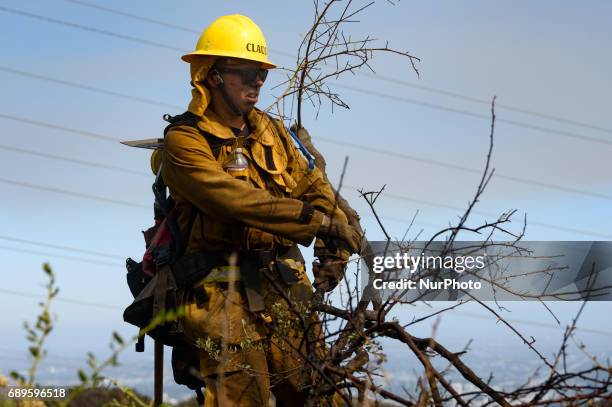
(242, 80)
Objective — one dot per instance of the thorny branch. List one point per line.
(328, 52)
(352, 329)
(363, 326)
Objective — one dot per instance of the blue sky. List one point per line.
(549, 57)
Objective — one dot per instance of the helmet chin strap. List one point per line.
(228, 100)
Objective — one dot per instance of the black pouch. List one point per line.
(165, 291)
(136, 279)
(286, 272)
(186, 366)
(143, 309)
(186, 369)
(284, 263)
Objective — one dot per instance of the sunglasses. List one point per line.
(247, 75)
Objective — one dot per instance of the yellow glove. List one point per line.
(342, 233)
(328, 272)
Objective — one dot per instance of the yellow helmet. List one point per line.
(234, 36)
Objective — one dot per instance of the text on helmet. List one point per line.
(256, 48)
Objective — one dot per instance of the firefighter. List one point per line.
(243, 189)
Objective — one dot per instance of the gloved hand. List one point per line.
(342, 232)
(328, 272)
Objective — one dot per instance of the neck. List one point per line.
(227, 116)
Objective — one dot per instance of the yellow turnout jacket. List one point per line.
(282, 202)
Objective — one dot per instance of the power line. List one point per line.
(55, 246)
(400, 220)
(134, 16)
(428, 203)
(73, 161)
(527, 322)
(80, 259)
(476, 115)
(86, 87)
(389, 195)
(91, 29)
(377, 77)
(458, 312)
(443, 164)
(472, 99)
(493, 215)
(61, 299)
(12, 353)
(22, 357)
(93, 197)
(72, 193)
(53, 358)
(57, 127)
(153, 21)
(90, 252)
(76, 85)
(369, 149)
(359, 90)
(163, 45)
(367, 74)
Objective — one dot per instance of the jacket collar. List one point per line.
(211, 123)
(262, 128)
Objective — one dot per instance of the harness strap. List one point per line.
(309, 157)
(184, 119)
(192, 268)
(159, 294)
(249, 273)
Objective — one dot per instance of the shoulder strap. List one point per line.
(279, 127)
(215, 143)
(165, 204)
(183, 119)
(190, 119)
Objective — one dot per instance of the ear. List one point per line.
(210, 84)
(214, 78)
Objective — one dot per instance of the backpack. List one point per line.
(164, 277)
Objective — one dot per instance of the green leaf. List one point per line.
(47, 269)
(82, 376)
(118, 338)
(17, 376)
(96, 379)
(34, 351)
(91, 360)
(45, 315)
